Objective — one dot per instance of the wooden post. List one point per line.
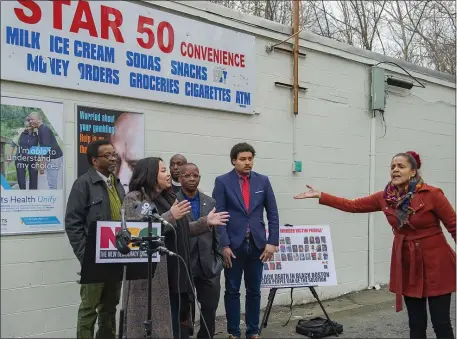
(296, 10)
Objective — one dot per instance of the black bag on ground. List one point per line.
(317, 327)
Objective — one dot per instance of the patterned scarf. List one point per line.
(401, 200)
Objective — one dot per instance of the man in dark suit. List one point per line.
(205, 252)
(245, 194)
(176, 162)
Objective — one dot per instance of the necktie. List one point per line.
(245, 191)
(109, 182)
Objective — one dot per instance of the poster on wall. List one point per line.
(128, 49)
(305, 258)
(125, 130)
(105, 248)
(32, 166)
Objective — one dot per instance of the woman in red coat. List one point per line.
(423, 263)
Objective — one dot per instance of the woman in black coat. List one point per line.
(151, 182)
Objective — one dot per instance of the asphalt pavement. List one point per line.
(365, 314)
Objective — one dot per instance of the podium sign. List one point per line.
(106, 251)
(305, 258)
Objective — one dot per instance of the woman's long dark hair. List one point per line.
(145, 177)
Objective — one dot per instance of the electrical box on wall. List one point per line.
(296, 166)
(378, 93)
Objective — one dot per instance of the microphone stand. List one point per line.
(124, 278)
(122, 311)
(151, 244)
(150, 251)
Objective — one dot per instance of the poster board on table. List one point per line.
(305, 258)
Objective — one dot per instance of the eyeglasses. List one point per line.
(188, 176)
(108, 156)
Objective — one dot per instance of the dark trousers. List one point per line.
(208, 293)
(98, 301)
(180, 313)
(21, 168)
(248, 261)
(439, 307)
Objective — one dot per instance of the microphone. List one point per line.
(162, 220)
(123, 236)
(164, 250)
(150, 210)
(143, 208)
(123, 223)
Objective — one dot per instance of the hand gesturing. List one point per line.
(217, 219)
(312, 193)
(180, 209)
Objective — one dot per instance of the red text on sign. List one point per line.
(210, 54)
(145, 25)
(83, 19)
(315, 230)
(108, 237)
(287, 230)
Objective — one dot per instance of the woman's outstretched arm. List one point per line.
(367, 204)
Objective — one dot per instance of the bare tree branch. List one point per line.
(418, 31)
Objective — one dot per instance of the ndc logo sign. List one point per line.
(107, 239)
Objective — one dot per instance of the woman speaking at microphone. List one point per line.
(423, 263)
(151, 182)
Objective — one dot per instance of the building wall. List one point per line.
(422, 120)
(333, 141)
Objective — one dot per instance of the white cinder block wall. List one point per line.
(422, 120)
(39, 293)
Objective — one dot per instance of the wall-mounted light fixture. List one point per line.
(399, 83)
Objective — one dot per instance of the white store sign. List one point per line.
(126, 49)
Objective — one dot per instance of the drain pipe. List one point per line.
(371, 271)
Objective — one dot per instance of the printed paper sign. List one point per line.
(106, 251)
(125, 130)
(305, 258)
(31, 166)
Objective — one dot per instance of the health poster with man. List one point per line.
(125, 130)
(305, 258)
(106, 251)
(32, 163)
